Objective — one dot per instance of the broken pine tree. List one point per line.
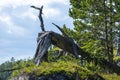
(46, 38)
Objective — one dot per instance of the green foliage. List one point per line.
(116, 58)
(111, 76)
(91, 66)
(4, 66)
(53, 53)
(67, 67)
(95, 29)
(12, 64)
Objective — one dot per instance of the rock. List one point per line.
(55, 76)
(21, 77)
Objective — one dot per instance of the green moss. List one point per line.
(67, 67)
(111, 76)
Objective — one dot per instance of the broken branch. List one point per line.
(60, 30)
(40, 16)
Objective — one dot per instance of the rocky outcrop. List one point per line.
(56, 76)
(21, 77)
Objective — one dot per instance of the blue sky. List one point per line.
(19, 25)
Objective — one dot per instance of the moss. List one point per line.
(111, 76)
(66, 67)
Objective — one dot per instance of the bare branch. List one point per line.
(40, 16)
(60, 30)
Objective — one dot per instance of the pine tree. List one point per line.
(95, 25)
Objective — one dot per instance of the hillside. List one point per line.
(60, 70)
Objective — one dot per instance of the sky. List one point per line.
(19, 25)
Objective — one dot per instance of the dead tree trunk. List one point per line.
(65, 44)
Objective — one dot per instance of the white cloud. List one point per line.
(16, 3)
(5, 19)
(48, 11)
(10, 27)
(51, 12)
(13, 3)
(29, 13)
